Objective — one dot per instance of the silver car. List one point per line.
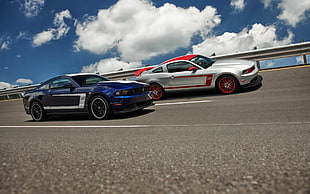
(196, 71)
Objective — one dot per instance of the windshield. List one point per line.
(86, 80)
(202, 61)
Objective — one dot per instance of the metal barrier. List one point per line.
(300, 49)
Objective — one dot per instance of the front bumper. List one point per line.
(124, 104)
(254, 82)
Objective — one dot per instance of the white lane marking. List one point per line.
(187, 102)
(81, 126)
(150, 126)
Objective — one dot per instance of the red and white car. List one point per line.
(197, 71)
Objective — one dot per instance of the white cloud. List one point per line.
(259, 36)
(32, 8)
(43, 37)
(109, 65)
(237, 4)
(24, 81)
(300, 59)
(139, 30)
(60, 30)
(266, 3)
(4, 85)
(23, 36)
(5, 43)
(293, 11)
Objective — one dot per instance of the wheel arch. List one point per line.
(33, 100)
(89, 98)
(223, 74)
(219, 77)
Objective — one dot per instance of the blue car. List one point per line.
(86, 93)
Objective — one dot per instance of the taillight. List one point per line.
(249, 70)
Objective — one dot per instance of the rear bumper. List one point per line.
(254, 82)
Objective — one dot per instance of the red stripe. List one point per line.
(208, 82)
(186, 57)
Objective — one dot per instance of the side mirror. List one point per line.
(193, 69)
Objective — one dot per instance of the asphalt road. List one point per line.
(255, 141)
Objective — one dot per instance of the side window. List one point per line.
(60, 83)
(178, 67)
(44, 87)
(204, 62)
(158, 70)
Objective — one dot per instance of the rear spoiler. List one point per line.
(138, 73)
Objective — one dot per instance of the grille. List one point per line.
(141, 90)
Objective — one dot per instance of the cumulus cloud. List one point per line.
(139, 30)
(109, 65)
(237, 4)
(43, 37)
(24, 81)
(60, 30)
(4, 85)
(292, 12)
(259, 36)
(31, 8)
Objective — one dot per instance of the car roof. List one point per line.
(185, 57)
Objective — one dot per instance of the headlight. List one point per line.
(122, 93)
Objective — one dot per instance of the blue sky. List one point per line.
(40, 39)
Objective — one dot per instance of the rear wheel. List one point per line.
(227, 84)
(37, 112)
(158, 92)
(99, 108)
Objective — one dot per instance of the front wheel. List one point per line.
(37, 112)
(158, 92)
(99, 108)
(227, 84)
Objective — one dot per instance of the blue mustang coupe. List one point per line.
(86, 93)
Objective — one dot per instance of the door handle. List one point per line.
(172, 77)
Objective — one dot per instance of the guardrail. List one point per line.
(300, 49)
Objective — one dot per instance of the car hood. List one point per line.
(234, 63)
(121, 84)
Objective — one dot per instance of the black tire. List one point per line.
(37, 112)
(158, 92)
(99, 108)
(227, 84)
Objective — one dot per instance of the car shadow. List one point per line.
(204, 93)
(86, 117)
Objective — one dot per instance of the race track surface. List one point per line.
(255, 141)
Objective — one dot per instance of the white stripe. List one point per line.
(60, 107)
(80, 106)
(187, 102)
(72, 126)
(152, 126)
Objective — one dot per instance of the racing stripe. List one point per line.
(80, 106)
(208, 82)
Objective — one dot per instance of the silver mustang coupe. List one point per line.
(196, 71)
